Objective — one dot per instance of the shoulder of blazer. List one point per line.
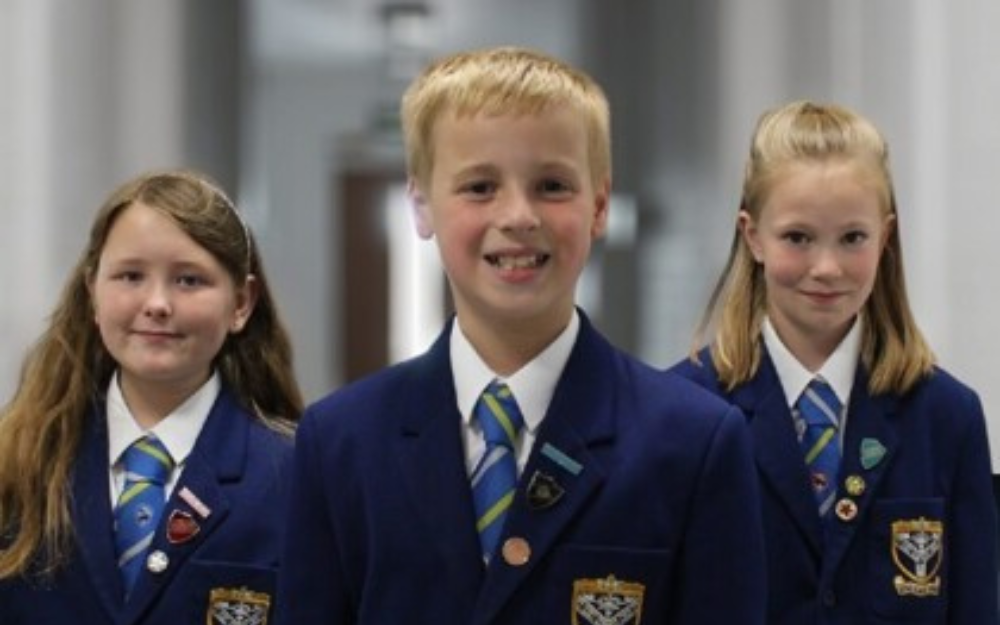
(701, 371)
(941, 395)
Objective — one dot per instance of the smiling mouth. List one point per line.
(155, 334)
(823, 296)
(532, 261)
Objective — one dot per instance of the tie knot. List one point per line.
(147, 459)
(499, 415)
(818, 404)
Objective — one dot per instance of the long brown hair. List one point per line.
(893, 350)
(68, 368)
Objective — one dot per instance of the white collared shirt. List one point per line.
(838, 370)
(178, 431)
(532, 386)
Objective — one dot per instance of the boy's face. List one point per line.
(512, 204)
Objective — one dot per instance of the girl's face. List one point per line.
(164, 305)
(818, 238)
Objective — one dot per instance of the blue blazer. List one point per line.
(651, 499)
(920, 456)
(237, 471)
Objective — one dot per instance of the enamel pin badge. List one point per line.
(872, 452)
(855, 485)
(562, 459)
(196, 504)
(543, 491)
(181, 527)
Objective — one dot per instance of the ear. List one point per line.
(890, 225)
(246, 300)
(750, 234)
(602, 204)
(421, 211)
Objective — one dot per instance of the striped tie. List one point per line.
(819, 409)
(147, 468)
(494, 479)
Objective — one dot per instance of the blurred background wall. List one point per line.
(290, 104)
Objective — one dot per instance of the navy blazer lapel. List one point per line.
(92, 514)
(580, 416)
(219, 456)
(869, 448)
(432, 460)
(777, 450)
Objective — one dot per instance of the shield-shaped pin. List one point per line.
(543, 491)
(181, 527)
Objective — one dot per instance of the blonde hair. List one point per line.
(68, 368)
(893, 350)
(501, 81)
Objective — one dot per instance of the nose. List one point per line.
(157, 304)
(516, 212)
(826, 264)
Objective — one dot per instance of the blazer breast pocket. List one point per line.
(909, 560)
(588, 584)
(223, 592)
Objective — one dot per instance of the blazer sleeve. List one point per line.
(722, 568)
(973, 574)
(311, 582)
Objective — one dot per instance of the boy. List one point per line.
(587, 488)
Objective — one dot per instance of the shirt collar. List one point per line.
(532, 385)
(178, 431)
(838, 370)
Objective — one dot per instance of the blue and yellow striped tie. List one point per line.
(819, 409)
(494, 479)
(147, 469)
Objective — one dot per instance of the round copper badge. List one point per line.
(516, 551)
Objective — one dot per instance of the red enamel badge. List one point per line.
(181, 527)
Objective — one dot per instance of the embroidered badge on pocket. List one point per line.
(237, 606)
(917, 551)
(607, 601)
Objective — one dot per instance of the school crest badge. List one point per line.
(607, 601)
(917, 551)
(237, 606)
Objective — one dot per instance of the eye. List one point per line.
(191, 280)
(479, 189)
(556, 188)
(553, 186)
(796, 237)
(127, 275)
(855, 237)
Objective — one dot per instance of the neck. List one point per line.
(507, 347)
(151, 402)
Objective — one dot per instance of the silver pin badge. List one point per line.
(157, 562)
